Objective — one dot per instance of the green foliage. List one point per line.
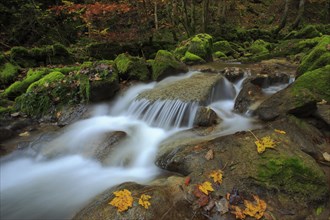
(8, 73)
(308, 31)
(294, 176)
(219, 54)
(190, 58)
(259, 47)
(318, 57)
(316, 82)
(44, 82)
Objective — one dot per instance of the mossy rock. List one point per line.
(219, 54)
(310, 31)
(294, 176)
(22, 57)
(52, 92)
(190, 58)
(105, 89)
(224, 47)
(316, 81)
(166, 64)
(20, 87)
(319, 56)
(259, 47)
(131, 68)
(8, 73)
(200, 45)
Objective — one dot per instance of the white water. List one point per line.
(35, 187)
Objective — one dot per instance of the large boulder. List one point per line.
(165, 64)
(131, 68)
(202, 88)
(299, 98)
(8, 72)
(200, 45)
(167, 201)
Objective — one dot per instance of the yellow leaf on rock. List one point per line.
(217, 176)
(122, 201)
(255, 209)
(280, 131)
(206, 187)
(144, 201)
(239, 214)
(265, 142)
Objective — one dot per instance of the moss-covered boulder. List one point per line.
(8, 72)
(51, 54)
(318, 57)
(190, 58)
(53, 91)
(224, 47)
(259, 47)
(166, 64)
(309, 31)
(20, 87)
(131, 68)
(219, 55)
(300, 98)
(201, 45)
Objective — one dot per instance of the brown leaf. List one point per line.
(210, 205)
(197, 192)
(203, 200)
(209, 155)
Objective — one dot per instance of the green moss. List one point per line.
(66, 70)
(19, 87)
(294, 176)
(200, 45)
(45, 81)
(22, 57)
(219, 54)
(318, 56)
(259, 47)
(133, 68)
(224, 47)
(190, 58)
(309, 31)
(166, 63)
(316, 82)
(8, 73)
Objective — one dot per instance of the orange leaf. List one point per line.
(255, 209)
(187, 180)
(206, 187)
(122, 201)
(239, 214)
(217, 176)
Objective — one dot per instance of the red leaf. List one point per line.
(187, 180)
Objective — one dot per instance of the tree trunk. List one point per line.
(205, 15)
(284, 17)
(156, 16)
(300, 14)
(192, 18)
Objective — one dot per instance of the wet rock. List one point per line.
(206, 117)
(168, 201)
(103, 90)
(323, 112)
(198, 88)
(5, 134)
(70, 114)
(233, 73)
(284, 177)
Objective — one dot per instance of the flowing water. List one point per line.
(36, 186)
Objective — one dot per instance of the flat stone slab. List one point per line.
(202, 88)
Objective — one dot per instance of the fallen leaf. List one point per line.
(255, 209)
(24, 134)
(222, 206)
(206, 187)
(203, 200)
(187, 180)
(217, 176)
(209, 155)
(263, 143)
(144, 201)
(197, 192)
(280, 131)
(239, 214)
(122, 201)
(326, 156)
(15, 114)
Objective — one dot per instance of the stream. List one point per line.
(36, 186)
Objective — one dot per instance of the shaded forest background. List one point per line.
(44, 22)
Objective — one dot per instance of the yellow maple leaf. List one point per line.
(239, 214)
(144, 201)
(206, 187)
(279, 131)
(255, 209)
(122, 201)
(263, 143)
(217, 176)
